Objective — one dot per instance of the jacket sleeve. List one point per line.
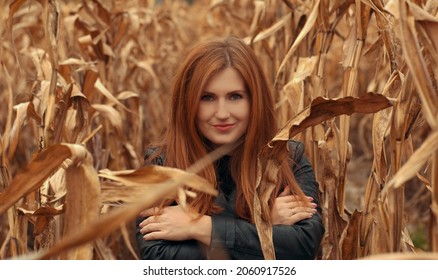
(167, 250)
(299, 241)
(163, 249)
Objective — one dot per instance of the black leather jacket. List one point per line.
(234, 238)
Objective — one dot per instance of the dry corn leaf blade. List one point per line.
(147, 65)
(424, 180)
(417, 65)
(76, 120)
(10, 109)
(415, 162)
(39, 169)
(111, 114)
(104, 91)
(261, 210)
(13, 8)
(259, 9)
(330, 170)
(14, 135)
(76, 62)
(90, 79)
(83, 203)
(116, 193)
(322, 109)
(44, 210)
(57, 125)
(154, 174)
(381, 125)
(127, 238)
(109, 222)
(350, 242)
(127, 94)
(270, 31)
(306, 29)
(430, 25)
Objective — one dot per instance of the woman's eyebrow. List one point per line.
(232, 91)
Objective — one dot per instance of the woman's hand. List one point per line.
(176, 224)
(288, 209)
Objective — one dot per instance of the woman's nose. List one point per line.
(222, 111)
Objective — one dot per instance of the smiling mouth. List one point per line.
(223, 127)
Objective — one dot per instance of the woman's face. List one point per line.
(223, 112)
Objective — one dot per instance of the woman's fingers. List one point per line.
(288, 210)
(291, 202)
(298, 210)
(151, 212)
(294, 198)
(149, 220)
(285, 192)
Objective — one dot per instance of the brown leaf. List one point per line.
(311, 20)
(108, 223)
(82, 203)
(350, 240)
(322, 109)
(415, 162)
(112, 115)
(40, 168)
(14, 135)
(154, 174)
(417, 64)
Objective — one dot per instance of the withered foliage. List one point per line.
(84, 87)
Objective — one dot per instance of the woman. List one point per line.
(221, 97)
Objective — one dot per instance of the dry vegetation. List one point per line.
(84, 84)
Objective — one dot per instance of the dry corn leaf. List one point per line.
(350, 241)
(110, 114)
(322, 109)
(57, 125)
(147, 65)
(90, 79)
(9, 130)
(259, 9)
(285, 20)
(381, 126)
(76, 119)
(424, 180)
(154, 174)
(103, 90)
(102, 250)
(415, 162)
(328, 158)
(127, 94)
(39, 169)
(13, 8)
(417, 64)
(82, 202)
(311, 20)
(108, 223)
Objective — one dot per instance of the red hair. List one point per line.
(183, 144)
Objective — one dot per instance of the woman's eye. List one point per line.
(207, 97)
(236, 96)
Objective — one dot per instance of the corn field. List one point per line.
(84, 87)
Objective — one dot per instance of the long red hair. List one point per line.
(183, 144)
